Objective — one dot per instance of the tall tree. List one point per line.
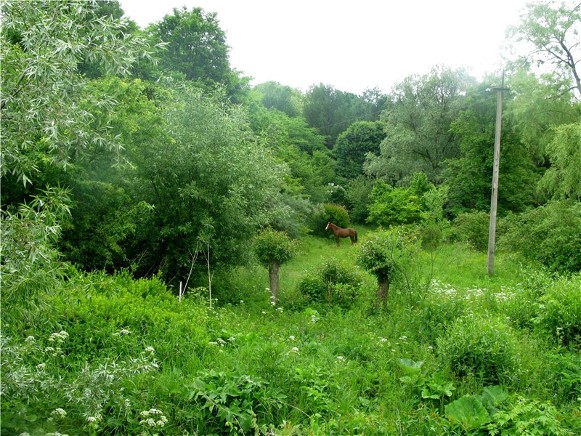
(196, 47)
(551, 32)
(354, 144)
(210, 183)
(273, 95)
(331, 111)
(417, 120)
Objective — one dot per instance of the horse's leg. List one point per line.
(337, 241)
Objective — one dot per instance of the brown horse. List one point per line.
(342, 233)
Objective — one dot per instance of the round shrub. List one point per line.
(480, 347)
(472, 228)
(332, 283)
(313, 287)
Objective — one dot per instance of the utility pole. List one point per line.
(495, 172)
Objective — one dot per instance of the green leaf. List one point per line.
(468, 412)
(410, 366)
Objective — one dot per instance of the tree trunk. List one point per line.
(273, 272)
(383, 288)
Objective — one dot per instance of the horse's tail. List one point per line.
(355, 232)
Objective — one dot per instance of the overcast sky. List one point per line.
(351, 45)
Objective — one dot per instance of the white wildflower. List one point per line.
(295, 349)
(122, 332)
(292, 338)
(30, 340)
(340, 358)
(41, 366)
(149, 349)
(59, 412)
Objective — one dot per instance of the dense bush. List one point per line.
(550, 234)
(335, 213)
(560, 314)
(358, 191)
(480, 347)
(391, 206)
(472, 228)
(333, 283)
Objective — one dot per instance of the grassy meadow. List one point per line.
(454, 352)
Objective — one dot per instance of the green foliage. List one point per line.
(469, 174)
(528, 416)
(331, 111)
(484, 348)
(564, 375)
(550, 34)
(213, 185)
(335, 213)
(132, 358)
(472, 228)
(562, 179)
(358, 191)
(468, 412)
(496, 412)
(30, 259)
(433, 224)
(333, 283)
(393, 206)
(387, 252)
(235, 404)
(195, 46)
(434, 387)
(560, 314)
(417, 125)
(51, 109)
(353, 144)
(273, 95)
(549, 234)
(273, 246)
(439, 309)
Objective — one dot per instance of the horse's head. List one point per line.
(328, 225)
